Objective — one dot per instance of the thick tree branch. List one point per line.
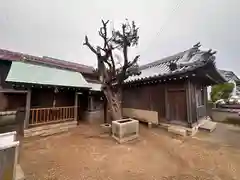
(86, 43)
(109, 65)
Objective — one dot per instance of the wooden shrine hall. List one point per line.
(49, 90)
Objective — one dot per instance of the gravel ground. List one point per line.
(86, 154)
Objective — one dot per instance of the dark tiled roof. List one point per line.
(229, 75)
(185, 61)
(16, 56)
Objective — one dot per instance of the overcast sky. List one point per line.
(56, 28)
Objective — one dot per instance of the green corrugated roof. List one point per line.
(95, 86)
(37, 74)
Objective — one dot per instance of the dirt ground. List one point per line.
(86, 154)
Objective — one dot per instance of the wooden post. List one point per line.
(166, 102)
(205, 103)
(90, 102)
(27, 109)
(76, 107)
(189, 104)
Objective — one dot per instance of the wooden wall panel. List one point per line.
(137, 97)
(65, 98)
(148, 97)
(15, 101)
(198, 112)
(157, 97)
(176, 85)
(42, 98)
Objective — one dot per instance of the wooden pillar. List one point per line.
(205, 103)
(27, 109)
(90, 102)
(166, 102)
(76, 107)
(189, 104)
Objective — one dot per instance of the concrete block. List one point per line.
(125, 130)
(177, 130)
(208, 126)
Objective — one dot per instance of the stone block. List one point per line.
(177, 130)
(125, 130)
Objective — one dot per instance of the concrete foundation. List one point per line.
(125, 130)
(177, 130)
(204, 123)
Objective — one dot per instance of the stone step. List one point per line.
(208, 126)
(51, 129)
(48, 131)
(50, 126)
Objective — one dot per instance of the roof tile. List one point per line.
(187, 60)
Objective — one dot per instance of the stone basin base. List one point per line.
(124, 130)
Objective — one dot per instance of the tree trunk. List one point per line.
(114, 103)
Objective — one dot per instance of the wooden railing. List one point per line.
(40, 116)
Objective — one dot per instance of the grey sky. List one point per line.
(56, 28)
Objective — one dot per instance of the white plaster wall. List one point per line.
(141, 115)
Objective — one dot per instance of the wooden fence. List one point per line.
(39, 116)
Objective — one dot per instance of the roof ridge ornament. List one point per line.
(197, 46)
(211, 52)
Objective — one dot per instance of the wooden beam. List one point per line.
(27, 109)
(12, 91)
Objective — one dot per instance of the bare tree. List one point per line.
(111, 76)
